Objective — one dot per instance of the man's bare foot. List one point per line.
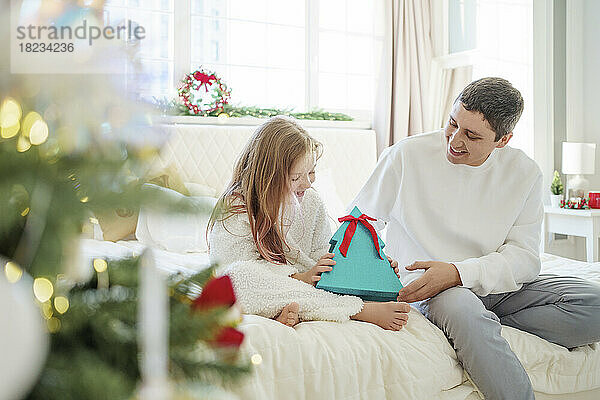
(391, 315)
(289, 314)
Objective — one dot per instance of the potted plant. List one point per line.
(557, 190)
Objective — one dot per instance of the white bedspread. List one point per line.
(356, 360)
(166, 260)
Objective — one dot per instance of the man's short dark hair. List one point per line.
(499, 102)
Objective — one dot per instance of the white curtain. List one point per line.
(402, 104)
(415, 92)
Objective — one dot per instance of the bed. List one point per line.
(354, 360)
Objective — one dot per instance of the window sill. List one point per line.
(253, 121)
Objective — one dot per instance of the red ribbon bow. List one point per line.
(351, 228)
(204, 79)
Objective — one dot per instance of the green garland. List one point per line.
(94, 354)
(234, 111)
(172, 107)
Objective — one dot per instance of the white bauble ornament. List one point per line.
(23, 337)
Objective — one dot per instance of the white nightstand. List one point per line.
(584, 223)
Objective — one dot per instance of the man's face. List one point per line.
(469, 137)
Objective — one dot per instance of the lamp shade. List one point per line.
(578, 158)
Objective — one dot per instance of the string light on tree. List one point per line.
(100, 265)
(13, 272)
(38, 132)
(7, 133)
(53, 325)
(61, 304)
(29, 121)
(47, 310)
(23, 144)
(256, 359)
(42, 289)
(10, 113)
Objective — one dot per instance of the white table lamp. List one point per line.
(578, 159)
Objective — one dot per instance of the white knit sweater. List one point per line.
(264, 288)
(485, 219)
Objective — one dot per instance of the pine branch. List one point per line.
(172, 107)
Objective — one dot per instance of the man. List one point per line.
(472, 206)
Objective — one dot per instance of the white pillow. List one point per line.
(197, 189)
(172, 230)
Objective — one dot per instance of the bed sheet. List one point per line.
(356, 360)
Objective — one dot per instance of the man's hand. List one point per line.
(313, 275)
(438, 277)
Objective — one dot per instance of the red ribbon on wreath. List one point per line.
(351, 228)
(204, 79)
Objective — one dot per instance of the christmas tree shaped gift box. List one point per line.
(361, 267)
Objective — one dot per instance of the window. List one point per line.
(506, 50)
(350, 38)
(462, 25)
(496, 38)
(151, 73)
(291, 54)
(257, 47)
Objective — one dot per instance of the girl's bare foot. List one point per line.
(391, 315)
(289, 314)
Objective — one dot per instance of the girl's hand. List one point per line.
(313, 275)
(393, 264)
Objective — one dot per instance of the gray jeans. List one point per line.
(562, 310)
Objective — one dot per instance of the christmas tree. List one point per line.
(556, 187)
(71, 147)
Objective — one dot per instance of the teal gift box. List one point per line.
(361, 267)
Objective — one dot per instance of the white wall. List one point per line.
(591, 79)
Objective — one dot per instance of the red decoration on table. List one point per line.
(363, 219)
(594, 200)
(575, 205)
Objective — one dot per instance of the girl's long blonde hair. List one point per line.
(260, 181)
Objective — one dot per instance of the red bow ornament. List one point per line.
(351, 228)
(218, 292)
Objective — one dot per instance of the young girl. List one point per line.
(269, 231)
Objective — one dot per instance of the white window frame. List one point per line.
(182, 41)
(442, 57)
(182, 31)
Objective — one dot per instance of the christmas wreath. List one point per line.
(203, 92)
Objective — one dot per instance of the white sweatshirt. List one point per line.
(264, 288)
(486, 220)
